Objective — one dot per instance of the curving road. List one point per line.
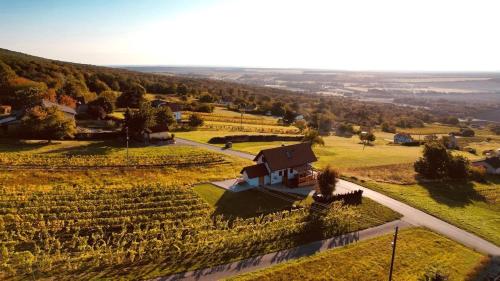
(410, 214)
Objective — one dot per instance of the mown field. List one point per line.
(418, 252)
(389, 169)
(472, 206)
(77, 210)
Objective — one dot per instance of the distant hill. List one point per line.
(64, 80)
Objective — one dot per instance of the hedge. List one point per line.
(253, 138)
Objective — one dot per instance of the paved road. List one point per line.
(411, 215)
(215, 148)
(255, 263)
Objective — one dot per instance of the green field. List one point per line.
(253, 202)
(419, 251)
(472, 206)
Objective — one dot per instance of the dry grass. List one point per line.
(395, 173)
(418, 251)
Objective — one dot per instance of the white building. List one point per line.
(288, 165)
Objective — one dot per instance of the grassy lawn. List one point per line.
(418, 251)
(253, 202)
(245, 203)
(474, 207)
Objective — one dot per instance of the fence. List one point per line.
(350, 198)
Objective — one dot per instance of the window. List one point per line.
(280, 173)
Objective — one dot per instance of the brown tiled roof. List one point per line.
(288, 156)
(254, 171)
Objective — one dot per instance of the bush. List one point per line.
(433, 164)
(388, 128)
(458, 167)
(195, 120)
(327, 179)
(467, 132)
(438, 163)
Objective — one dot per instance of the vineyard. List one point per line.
(246, 119)
(196, 157)
(93, 233)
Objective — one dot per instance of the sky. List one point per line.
(385, 35)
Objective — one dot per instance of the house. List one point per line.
(175, 107)
(288, 165)
(69, 112)
(491, 164)
(299, 117)
(452, 141)
(14, 118)
(402, 138)
(5, 109)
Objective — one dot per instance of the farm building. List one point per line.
(491, 164)
(175, 107)
(288, 165)
(14, 119)
(402, 138)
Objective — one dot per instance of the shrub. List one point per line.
(313, 137)
(434, 162)
(388, 128)
(438, 163)
(458, 167)
(195, 120)
(467, 132)
(327, 179)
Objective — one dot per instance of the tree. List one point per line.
(467, 132)
(206, 98)
(300, 124)
(67, 100)
(434, 162)
(48, 123)
(182, 90)
(164, 118)
(195, 120)
(133, 97)
(458, 167)
(27, 98)
(139, 120)
(327, 179)
(289, 116)
(312, 136)
(367, 138)
(388, 128)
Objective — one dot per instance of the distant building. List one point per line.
(403, 138)
(452, 141)
(14, 119)
(175, 107)
(68, 111)
(299, 117)
(288, 165)
(491, 164)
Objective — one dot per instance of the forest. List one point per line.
(72, 83)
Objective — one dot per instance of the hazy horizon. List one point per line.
(380, 36)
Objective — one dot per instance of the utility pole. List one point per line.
(393, 252)
(126, 130)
